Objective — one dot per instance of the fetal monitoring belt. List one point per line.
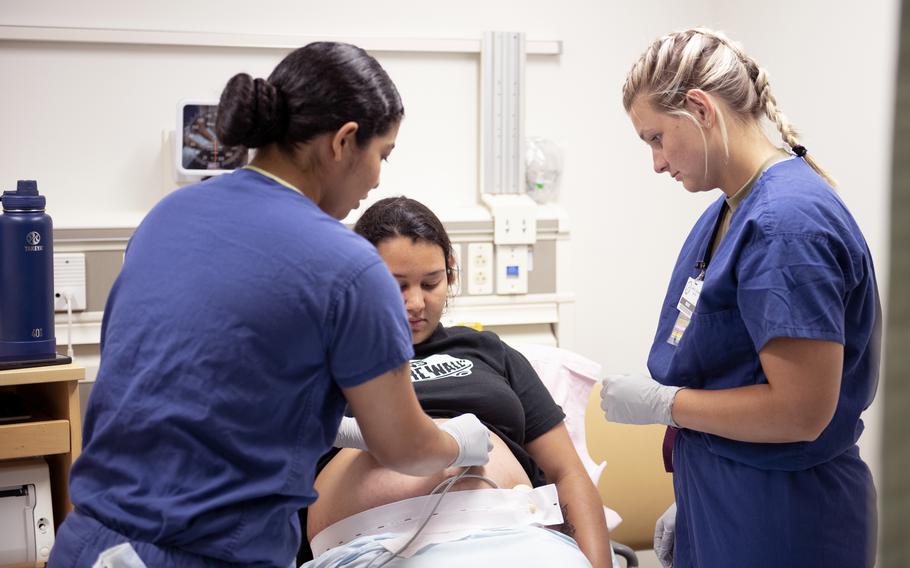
(458, 515)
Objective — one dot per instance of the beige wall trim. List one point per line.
(59, 34)
(508, 310)
(86, 328)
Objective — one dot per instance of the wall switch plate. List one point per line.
(514, 218)
(480, 268)
(69, 278)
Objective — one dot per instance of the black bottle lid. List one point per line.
(25, 198)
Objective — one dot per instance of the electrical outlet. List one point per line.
(69, 278)
(512, 264)
(480, 268)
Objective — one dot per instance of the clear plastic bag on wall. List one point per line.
(543, 169)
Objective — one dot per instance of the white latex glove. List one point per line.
(349, 434)
(665, 537)
(637, 399)
(120, 556)
(473, 440)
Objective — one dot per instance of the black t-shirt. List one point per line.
(458, 370)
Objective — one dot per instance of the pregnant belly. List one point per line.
(353, 482)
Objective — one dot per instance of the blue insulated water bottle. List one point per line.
(26, 276)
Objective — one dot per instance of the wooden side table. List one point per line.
(55, 432)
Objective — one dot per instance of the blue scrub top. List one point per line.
(793, 264)
(241, 311)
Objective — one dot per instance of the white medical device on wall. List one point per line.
(199, 153)
(26, 512)
(503, 181)
(502, 86)
(514, 231)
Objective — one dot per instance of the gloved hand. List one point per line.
(349, 434)
(473, 440)
(637, 399)
(120, 556)
(665, 537)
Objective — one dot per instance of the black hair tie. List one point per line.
(799, 150)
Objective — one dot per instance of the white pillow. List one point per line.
(570, 377)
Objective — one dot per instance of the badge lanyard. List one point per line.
(692, 291)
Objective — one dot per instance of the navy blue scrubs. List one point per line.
(241, 312)
(793, 264)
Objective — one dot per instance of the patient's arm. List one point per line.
(582, 507)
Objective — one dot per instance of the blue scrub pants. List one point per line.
(731, 514)
(81, 539)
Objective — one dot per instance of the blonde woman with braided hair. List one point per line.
(767, 346)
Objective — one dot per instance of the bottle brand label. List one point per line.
(32, 242)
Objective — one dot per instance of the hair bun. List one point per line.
(251, 113)
(270, 110)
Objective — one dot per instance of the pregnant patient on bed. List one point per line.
(459, 370)
(353, 482)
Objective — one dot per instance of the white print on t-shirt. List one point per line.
(439, 367)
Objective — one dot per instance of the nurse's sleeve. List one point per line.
(793, 285)
(368, 332)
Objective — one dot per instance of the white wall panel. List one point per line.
(86, 121)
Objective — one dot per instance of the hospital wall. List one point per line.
(91, 122)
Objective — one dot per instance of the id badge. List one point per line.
(689, 297)
(686, 307)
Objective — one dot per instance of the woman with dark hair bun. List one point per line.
(244, 320)
(323, 104)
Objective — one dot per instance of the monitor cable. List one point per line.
(445, 486)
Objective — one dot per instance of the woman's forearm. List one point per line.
(395, 429)
(795, 405)
(584, 517)
(748, 414)
(582, 509)
(427, 451)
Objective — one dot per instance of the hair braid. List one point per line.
(700, 58)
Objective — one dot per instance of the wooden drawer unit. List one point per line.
(53, 431)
